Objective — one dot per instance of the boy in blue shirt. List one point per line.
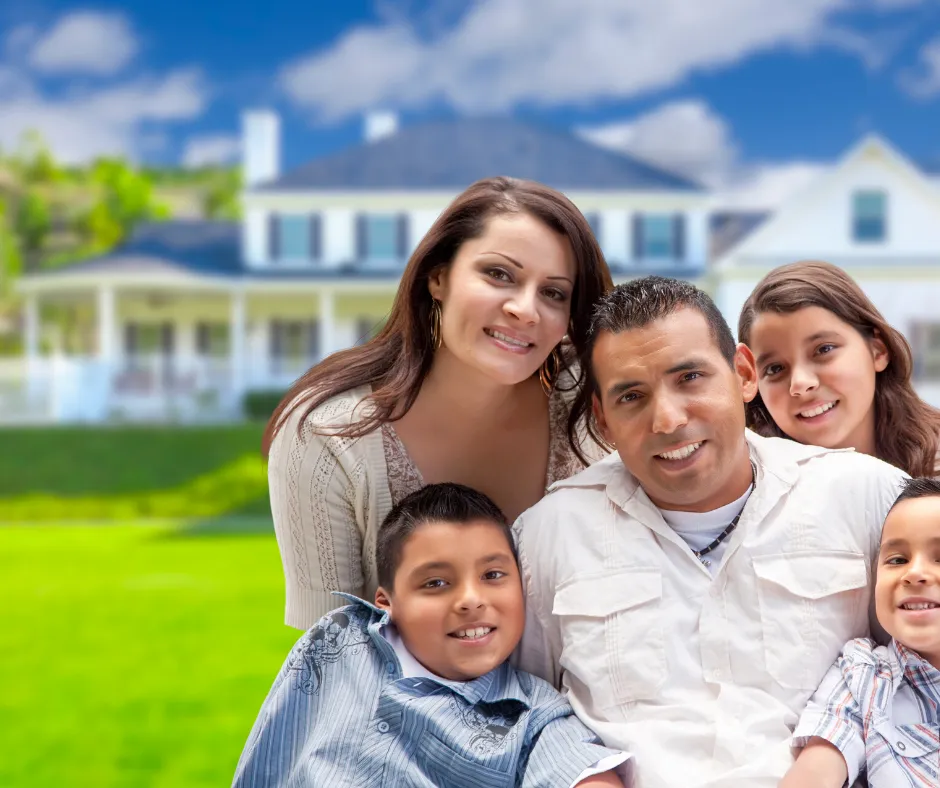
(416, 691)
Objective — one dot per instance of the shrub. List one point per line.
(259, 405)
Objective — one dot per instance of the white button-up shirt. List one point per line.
(702, 676)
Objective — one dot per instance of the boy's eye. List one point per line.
(896, 560)
(436, 583)
(494, 574)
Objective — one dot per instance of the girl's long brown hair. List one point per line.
(907, 429)
(396, 361)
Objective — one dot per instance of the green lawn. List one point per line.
(128, 473)
(132, 654)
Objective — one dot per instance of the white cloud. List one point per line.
(109, 121)
(924, 81)
(86, 42)
(767, 186)
(211, 149)
(503, 53)
(684, 136)
(690, 138)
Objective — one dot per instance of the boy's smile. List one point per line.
(457, 598)
(907, 590)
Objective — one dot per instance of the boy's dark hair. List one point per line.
(918, 487)
(446, 502)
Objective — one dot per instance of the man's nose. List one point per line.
(668, 415)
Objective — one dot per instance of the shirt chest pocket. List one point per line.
(443, 765)
(612, 635)
(908, 749)
(811, 604)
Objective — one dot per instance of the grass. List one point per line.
(127, 472)
(134, 654)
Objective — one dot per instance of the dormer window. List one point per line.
(382, 237)
(869, 216)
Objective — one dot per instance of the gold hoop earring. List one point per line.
(436, 337)
(548, 372)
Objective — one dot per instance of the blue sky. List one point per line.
(747, 95)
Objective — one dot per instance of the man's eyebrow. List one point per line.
(689, 365)
(521, 267)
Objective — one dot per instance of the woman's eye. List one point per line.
(499, 273)
(556, 295)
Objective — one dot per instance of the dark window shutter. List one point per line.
(166, 338)
(402, 236)
(274, 236)
(638, 236)
(678, 236)
(275, 339)
(316, 236)
(202, 339)
(313, 348)
(130, 338)
(362, 239)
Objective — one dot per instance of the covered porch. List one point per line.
(175, 348)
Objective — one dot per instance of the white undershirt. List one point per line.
(700, 529)
(412, 669)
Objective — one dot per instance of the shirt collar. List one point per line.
(918, 672)
(778, 457)
(501, 684)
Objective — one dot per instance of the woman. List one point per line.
(832, 372)
(469, 381)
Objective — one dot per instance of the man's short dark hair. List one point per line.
(642, 301)
(917, 487)
(446, 502)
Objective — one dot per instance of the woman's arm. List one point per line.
(313, 503)
(819, 765)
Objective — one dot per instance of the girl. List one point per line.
(832, 372)
(469, 382)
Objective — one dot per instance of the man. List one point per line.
(690, 591)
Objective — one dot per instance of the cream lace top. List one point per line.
(330, 494)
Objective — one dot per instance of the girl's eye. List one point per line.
(494, 574)
(827, 348)
(772, 369)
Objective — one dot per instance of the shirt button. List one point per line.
(382, 727)
(902, 746)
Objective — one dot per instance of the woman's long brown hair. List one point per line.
(907, 429)
(396, 361)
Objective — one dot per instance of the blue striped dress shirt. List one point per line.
(341, 713)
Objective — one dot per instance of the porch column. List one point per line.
(31, 343)
(327, 322)
(237, 330)
(106, 325)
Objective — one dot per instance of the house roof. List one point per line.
(728, 228)
(209, 248)
(453, 154)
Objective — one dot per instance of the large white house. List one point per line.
(186, 317)
(875, 215)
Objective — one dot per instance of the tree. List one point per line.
(11, 262)
(32, 226)
(222, 198)
(35, 161)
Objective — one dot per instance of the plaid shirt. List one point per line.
(341, 713)
(880, 706)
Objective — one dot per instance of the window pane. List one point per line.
(295, 237)
(658, 236)
(868, 216)
(149, 338)
(381, 237)
(214, 339)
